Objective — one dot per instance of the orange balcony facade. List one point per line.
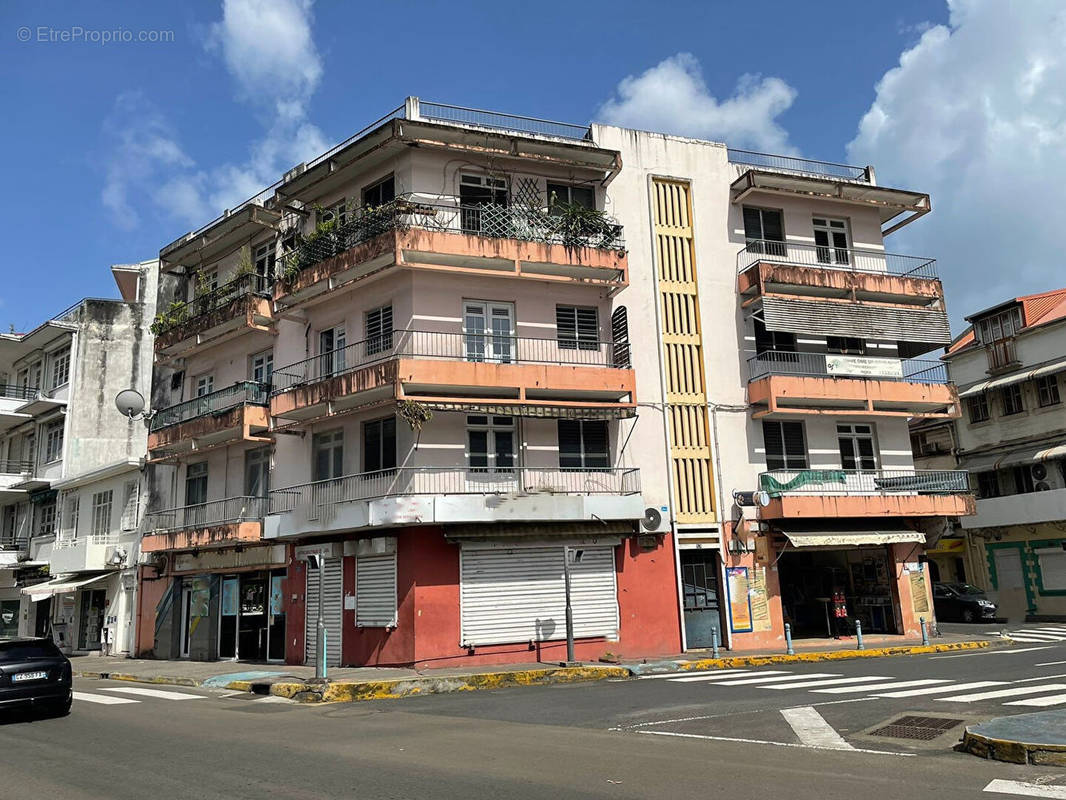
(814, 493)
(237, 413)
(213, 525)
(445, 368)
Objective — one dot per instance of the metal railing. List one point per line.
(848, 259)
(213, 512)
(240, 393)
(801, 166)
(407, 481)
(16, 466)
(209, 302)
(500, 121)
(781, 482)
(832, 365)
(15, 392)
(488, 348)
(19, 542)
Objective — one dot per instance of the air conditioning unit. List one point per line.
(655, 520)
(1042, 486)
(1039, 471)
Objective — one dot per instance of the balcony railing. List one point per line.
(67, 539)
(800, 166)
(240, 393)
(782, 482)
(16, 466)
(15, 392)
(842, 258)
(1002, 355)
(572, 229)
(831, 365)
(409, 481)
(202, 515)
(19, 542)
(475, 347)
(181, 313)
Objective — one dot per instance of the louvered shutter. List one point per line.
(570, 444)
(795, 445)
(620, 336)
(375, 591)
(379, 330)
(331, 611)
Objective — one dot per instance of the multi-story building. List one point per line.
(71, 497)
(1009, 366)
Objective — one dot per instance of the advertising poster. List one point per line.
(201, 597)
(229, 597)
(277, 607)
(919, 594)
(738, 587)
(760, 601)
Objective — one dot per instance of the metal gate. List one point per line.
(331, 611)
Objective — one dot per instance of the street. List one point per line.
(745, 733)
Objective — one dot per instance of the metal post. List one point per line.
(789, 649)
(569, 609)
(320, 624)
(714, 642)
(858, 634)
(925, 633)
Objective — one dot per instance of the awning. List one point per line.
(983, 462)
(62, 585)
(519, 409)
(828, 535)
(1018, 377)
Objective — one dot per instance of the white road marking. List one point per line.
(1051, 663)
(832, 681)
(102, 699)
(673, 676)
(780, 679)
(811, 728)
(1000, 786)
(900, 684)
(702, 678)
(152, 693)
(1037, 637)
(970, 698)
(775, 744)
(1040, 702)
(1012, 651)
(942, 689)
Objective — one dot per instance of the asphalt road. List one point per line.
(655, 737)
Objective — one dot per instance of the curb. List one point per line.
(166, 680)
(1013, 752)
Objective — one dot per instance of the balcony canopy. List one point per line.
(63, 584)
(219, 237)
(827, 534)
(1050, 368)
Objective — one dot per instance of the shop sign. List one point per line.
(738, 587)
(268, 556)
(864, 366)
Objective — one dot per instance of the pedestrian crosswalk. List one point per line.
(1045, 634)
(116, 695)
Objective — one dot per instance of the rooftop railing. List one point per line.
(499, 121)
(848, 259)
(831, 365)
(475, 347)
(181, 313)
(800, 166)
(781, 482)
(240, 393)
(408, 481)
(15, 392)
(202, 515)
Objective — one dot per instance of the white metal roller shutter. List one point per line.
(375, 591)
(331, 610)
(519, 595)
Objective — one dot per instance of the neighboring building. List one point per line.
(70, 497)
(1010, 367)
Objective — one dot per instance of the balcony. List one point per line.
(827, 383)
(241, 306)
(439, 495)
(236, 413)
(72, 553)
(866, 493)
(12, 399)
(441, 367)
(13, 473)
(501, 241)
(772, 267)
(204, 526)
(1029, 508)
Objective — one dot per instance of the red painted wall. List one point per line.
(295, 602)
(150, 591)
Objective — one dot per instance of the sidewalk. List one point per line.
(347, 684)
(1038, 738)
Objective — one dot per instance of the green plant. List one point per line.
(579, 226)
(244, 262)
(170, 317)
(414, 413)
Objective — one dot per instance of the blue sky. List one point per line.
(116, 149)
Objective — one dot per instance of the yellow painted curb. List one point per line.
(1013, 752)
(829, 655)
(122, 676)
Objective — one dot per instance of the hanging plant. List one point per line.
(414, 414)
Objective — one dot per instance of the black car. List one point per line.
(34, 674)
(961, 602)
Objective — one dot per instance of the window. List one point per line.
(60, 368)
(584, 444)
(773, 341)
(491, 443)
(53, 441)
(999, 326)
(263, 367)
(857, 450)
(1023, 479)
(1051, 560)
(331, 351)
(488, 331)
(785, 443)
(265, 259)
(205, 384)
(379, 444)
(564, 194)
(1011, 397)
(101, 513)
(831, 239)
(196, 484)
(380, 193)
(131, 505)
(1047, 391)
(70, 516)
(476, 191)
(46, 519)
(257, 472)
(764, 231)
(846, 345)
(988, 484)
(336, 213)
(977, 408)
(327, 452)
(578, 327)
(379, 330)
(620, 338)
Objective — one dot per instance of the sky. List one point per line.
(118, 146)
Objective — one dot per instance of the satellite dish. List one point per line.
(129, 403)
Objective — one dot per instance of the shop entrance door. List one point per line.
(186, 619)
(276, 617)
(91, 623)
(699, 580)
(252, 623)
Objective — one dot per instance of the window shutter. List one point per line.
(131, 507)
(773, 444)
(620, 336)
(388, 443)
(372, 446)
(752, 224)
(569, 443)
(597, 447)
(588, 328)
(795, 449)
(566, 325)
(375, 591)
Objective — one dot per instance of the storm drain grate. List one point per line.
(924, 728)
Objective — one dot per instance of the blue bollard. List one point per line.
(714, 642)
(925, 633)
(788, 640)
(858, 635)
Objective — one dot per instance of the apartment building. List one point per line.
(70, 501)
(1009, 367)
(405, 358)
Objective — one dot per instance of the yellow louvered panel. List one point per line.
(686, 386)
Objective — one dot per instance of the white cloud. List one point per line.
(672, 97)
(975, 114)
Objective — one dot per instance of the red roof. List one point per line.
(1037, 309)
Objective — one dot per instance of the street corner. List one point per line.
(1034, 739)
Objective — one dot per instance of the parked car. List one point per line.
(961, 602)
(34, 674)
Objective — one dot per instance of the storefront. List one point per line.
(85, 612)
(700, 569)
(947, 561)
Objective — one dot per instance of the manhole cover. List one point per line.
(924, 728)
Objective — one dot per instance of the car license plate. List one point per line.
(28, 676)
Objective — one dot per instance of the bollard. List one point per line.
(788, 640)
(925, 633)
(714, 642)
(858, 635)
